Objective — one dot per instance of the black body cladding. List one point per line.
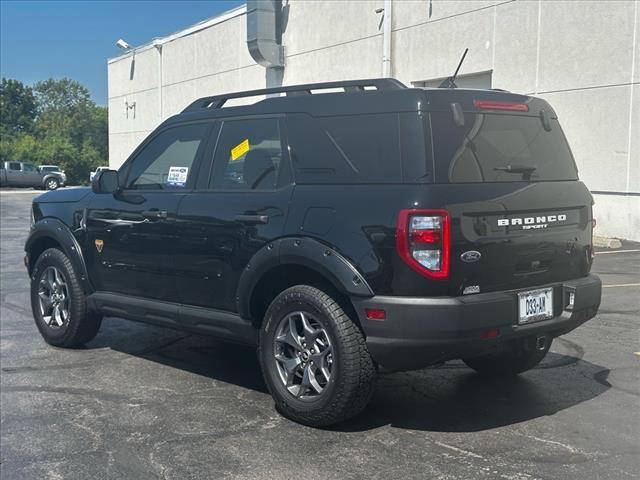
(208, 225)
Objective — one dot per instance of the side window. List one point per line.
(248, 155)
(14, 166)
(166, 161)
(27, 167)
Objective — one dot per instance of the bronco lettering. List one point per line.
(532, 222)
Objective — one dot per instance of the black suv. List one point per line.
(339, 232)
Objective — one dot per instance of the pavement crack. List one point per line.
(65, 391)
(458, 450)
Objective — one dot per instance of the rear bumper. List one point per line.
(421, 331)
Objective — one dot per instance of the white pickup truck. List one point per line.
(93, 174)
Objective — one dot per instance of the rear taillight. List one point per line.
(422, 241)
(495, 105)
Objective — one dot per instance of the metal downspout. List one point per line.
(386, 39)
(159, 48)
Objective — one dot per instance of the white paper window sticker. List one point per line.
(177, 176)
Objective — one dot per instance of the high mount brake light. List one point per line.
(423, 241)
(495, 105)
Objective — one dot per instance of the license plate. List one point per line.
(535, 305)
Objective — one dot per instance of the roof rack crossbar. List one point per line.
(217, 101)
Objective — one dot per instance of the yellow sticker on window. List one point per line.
(240, 149)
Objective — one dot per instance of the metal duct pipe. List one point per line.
(263, 32)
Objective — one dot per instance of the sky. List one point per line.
(43, 39)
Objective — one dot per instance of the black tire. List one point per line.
(353, 373)
(522, 357)
(81, 325)
(51, 184)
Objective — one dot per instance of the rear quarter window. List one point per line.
(345, 149)
(499, 148)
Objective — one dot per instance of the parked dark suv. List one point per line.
(339, 232)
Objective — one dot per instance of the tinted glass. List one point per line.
(345, 149)
(14, 166)
(166, 161)
(27, 167)
(499, 148)
(248, 155)
(49, 169)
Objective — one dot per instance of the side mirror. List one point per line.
(106, 181)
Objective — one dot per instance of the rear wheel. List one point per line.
(59, 304)
(314, 358)
(522, 357)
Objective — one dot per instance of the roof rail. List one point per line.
(217, 101)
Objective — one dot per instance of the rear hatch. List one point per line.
(507, 176)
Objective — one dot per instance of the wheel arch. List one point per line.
(52, 233)
(292, 261)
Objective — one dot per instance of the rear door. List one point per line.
(131, 238)
(30, 175)
(511, 187)
(240, 204)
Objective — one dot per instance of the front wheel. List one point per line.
(52, 184)
(314, 358)
(522, 357)
(59, 303)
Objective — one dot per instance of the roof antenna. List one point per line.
(450, 82)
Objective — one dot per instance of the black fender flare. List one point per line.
(302, 251)
(55, 229)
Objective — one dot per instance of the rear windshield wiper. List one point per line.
(526, 171)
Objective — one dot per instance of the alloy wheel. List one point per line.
(53, 297)
(303, 355)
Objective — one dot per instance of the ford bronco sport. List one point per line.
(338, 232)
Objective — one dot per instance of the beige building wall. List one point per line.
(583, 57)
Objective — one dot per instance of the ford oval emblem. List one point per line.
(470, 256)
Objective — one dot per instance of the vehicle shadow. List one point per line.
(453, 398)
(205, 356)
(446, 398)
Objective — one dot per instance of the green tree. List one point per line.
(89, 160)
(56, 122)
(60, 151)
(66, 110)
(6, 149)
(96, 130)
(26, 149)
(64, 95)
(17, 107)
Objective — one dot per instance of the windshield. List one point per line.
(499, 148)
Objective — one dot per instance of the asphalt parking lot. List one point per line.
(143, 402)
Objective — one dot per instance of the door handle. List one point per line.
(252, 219)
(154, 214)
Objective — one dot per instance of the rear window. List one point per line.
(345, 149)
(499, 148)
